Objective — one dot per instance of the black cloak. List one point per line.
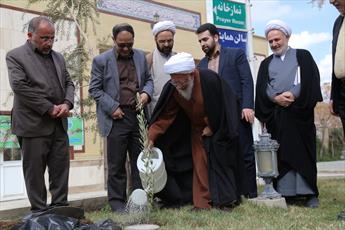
(225, 164)
(293, 127)
(336, 83)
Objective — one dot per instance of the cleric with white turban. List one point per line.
(196, 120)
(277, 24)
(163, 26)
(287, 90)
(180, 63)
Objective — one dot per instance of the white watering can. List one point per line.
(157, 166)
(138, 197)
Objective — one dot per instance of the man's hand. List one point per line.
(118, 114)
(285, 99)
(150, 145)
(144, 98)
(248, 115)
(207, 132)
(54, 112)
(63, 110)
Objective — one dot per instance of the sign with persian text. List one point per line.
(229, 14)
(233, 38)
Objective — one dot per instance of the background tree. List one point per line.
(330, 140)
(319, 3)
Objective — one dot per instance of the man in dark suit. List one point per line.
(337, 103)
(43, 96)
(117, 75)
(231, 64)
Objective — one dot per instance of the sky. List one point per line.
(311, 27)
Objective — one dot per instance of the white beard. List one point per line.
(281, 51)
(187, 93)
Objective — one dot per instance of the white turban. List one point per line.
(278, 25)
(163, 25)
(180, 63)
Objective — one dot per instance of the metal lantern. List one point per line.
(266, 162)
(155, 19)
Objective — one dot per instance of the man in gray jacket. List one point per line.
(43, 96)
(117, 75)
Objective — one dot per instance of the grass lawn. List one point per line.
(248, 215)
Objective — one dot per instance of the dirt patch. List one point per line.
(8, 224)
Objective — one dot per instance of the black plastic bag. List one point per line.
(58, 222)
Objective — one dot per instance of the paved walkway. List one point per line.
(331, 169)
(93, 200)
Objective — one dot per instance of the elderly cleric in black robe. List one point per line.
(291, 72)
(224, 164)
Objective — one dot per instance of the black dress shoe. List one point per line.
(74, 212)
(341, 216)
(120, 210)
(118, 206)
(170, 206)
(312, 202)
(226, 208)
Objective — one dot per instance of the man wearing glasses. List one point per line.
(117, 75)
(43, 96)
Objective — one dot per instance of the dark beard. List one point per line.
(210, 51)
(166, 50)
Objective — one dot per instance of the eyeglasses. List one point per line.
(123, 45)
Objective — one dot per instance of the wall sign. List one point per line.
(233, 38)
(229, 14)
(147, 10)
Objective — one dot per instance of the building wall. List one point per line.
(260, 45)
(184, 40)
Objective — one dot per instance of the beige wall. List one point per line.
(184, 40)
(260, 45)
